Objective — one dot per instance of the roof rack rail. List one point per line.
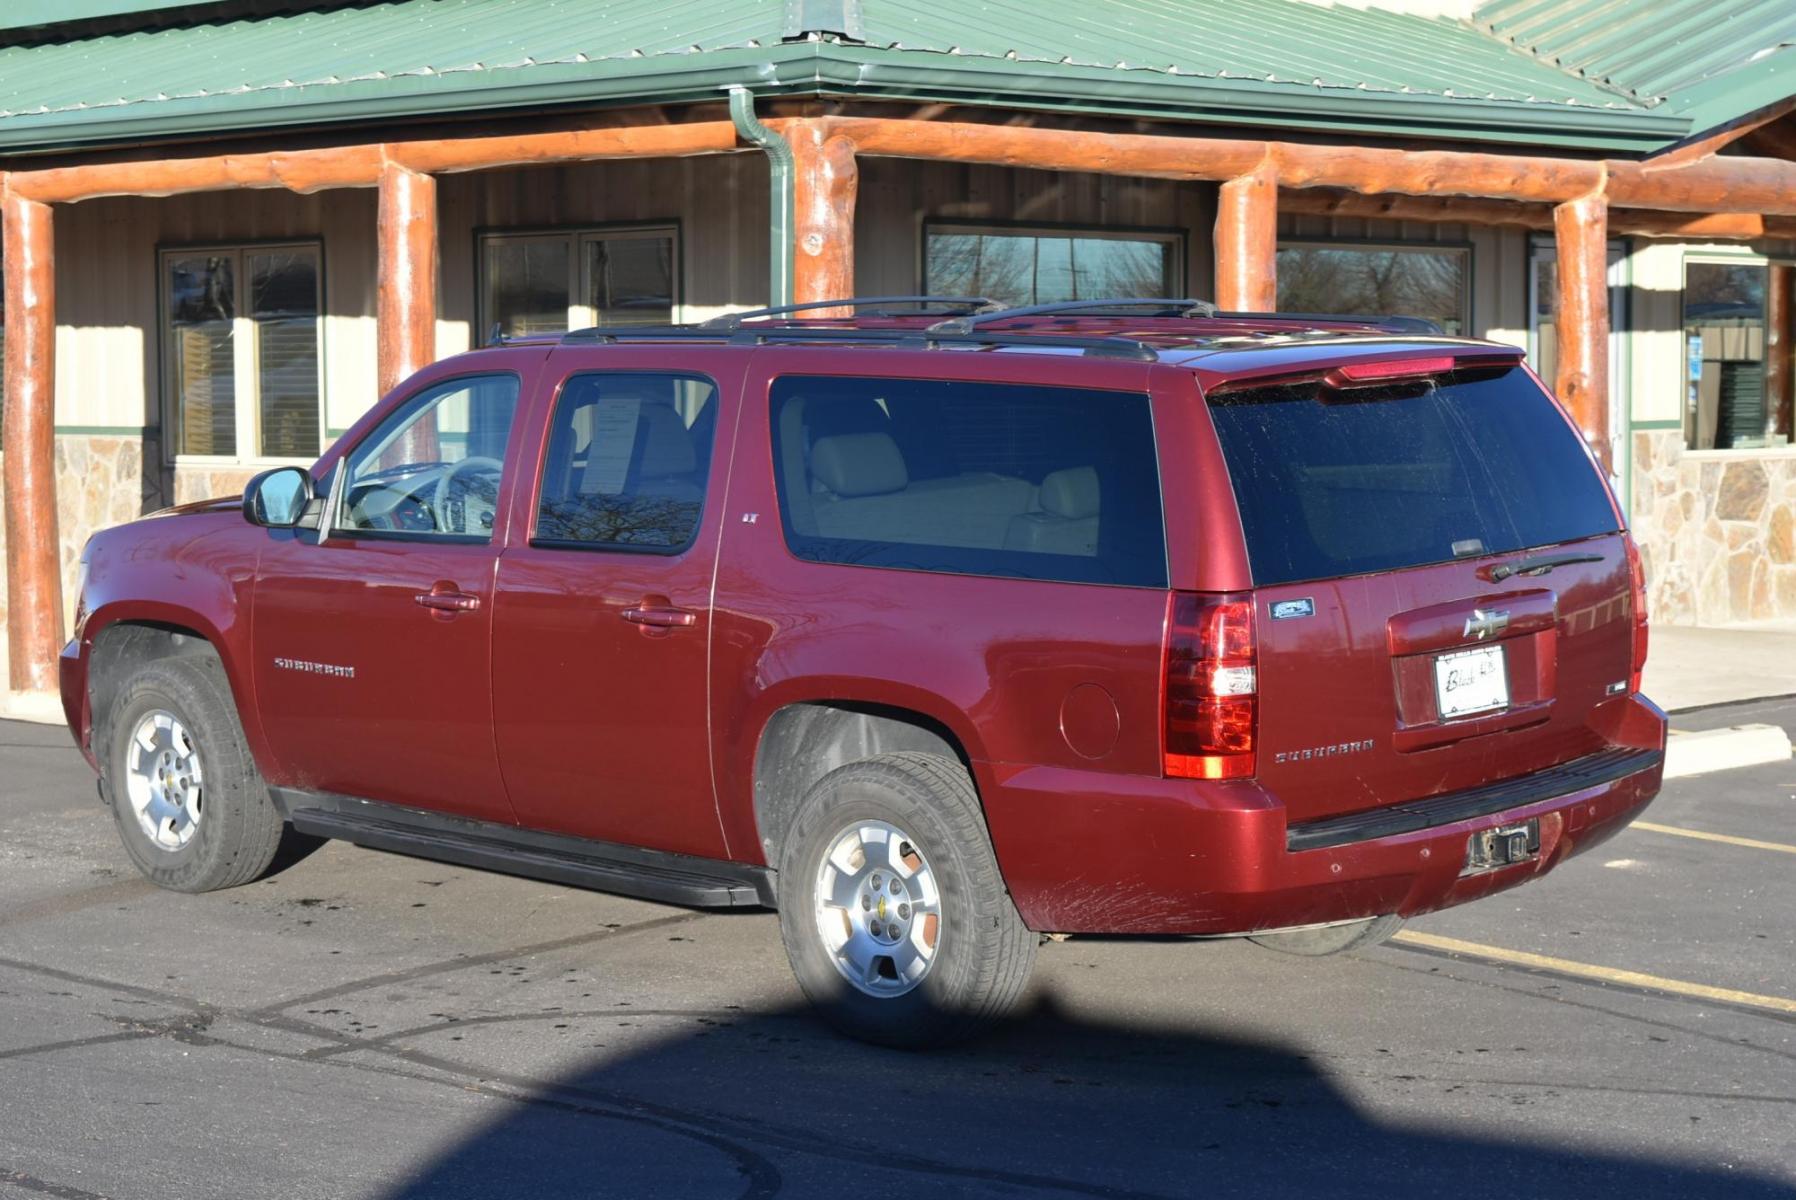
(1065, 308)
(957, 306)
(918, 339)
(1391, 324)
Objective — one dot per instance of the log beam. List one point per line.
(362, 165)
(33, 548)
(827, 184)
(1721, 184)
(1247, 242)
(1581, 230)
(1636, 222)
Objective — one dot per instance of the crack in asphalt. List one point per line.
(1587, 1006)
(736, 1137)
(74, 902)
(31, 1183)
(449, 965)
(762, 1174)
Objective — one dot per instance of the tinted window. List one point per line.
(970, 478)
(627, 462)
(1376, 479)
(433, 468)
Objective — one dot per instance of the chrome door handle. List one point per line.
(443, 600)
(660, 618)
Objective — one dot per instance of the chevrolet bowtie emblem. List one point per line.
(1482, 624)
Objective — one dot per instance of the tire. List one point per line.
(231, 830)
(945, 916)
(1333, 939)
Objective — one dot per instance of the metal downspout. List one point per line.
(782, 205)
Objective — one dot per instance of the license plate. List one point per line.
(1471, 681)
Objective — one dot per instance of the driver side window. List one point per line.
(433, 468)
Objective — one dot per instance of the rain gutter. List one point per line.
(781, 202)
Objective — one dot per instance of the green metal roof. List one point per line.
(1278, 63)
(20, 14)
(1307, 46)
(1706, 60)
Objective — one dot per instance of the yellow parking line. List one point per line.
(1566, 966)
(1728, 839)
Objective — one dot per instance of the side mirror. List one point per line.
(278, 499)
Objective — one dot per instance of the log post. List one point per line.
(826, 184)
(1247, 242)
(1581, 229)
(406, 312)
(1780, 365)
(34, 569)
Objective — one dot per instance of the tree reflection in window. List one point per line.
(627, 461)
(1403, 281)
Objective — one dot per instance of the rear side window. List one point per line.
(1377, 479)
(627, 462)
(970, 478)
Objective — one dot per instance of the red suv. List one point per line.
(937, 628)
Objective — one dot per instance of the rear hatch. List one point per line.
(1443, 590)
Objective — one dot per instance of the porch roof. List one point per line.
(1709, 61)
(1280, 63)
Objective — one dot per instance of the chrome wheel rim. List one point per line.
(163, 781)
(878, 911)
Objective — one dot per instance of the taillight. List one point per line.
(1637, 603)
(1212, 706)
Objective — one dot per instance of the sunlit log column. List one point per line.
(1247, 242)
(406, 312)
(1780, 345)
(826, 184)
(1581, 229)
(33, 575)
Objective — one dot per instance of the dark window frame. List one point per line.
(1480, 483)
(1468, 292)
(340, 473)
(1687, 419)
(485, 319)
(791, 538)
(167, 408)
(1177, 237)
(537, 542)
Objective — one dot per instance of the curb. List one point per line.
(1724, 749)
(40, 708)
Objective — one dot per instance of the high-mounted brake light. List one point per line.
(1212, 703)
(1362, 374)
(1637, 603)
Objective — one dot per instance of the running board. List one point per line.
(684, 879)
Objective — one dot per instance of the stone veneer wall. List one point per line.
(101, 480)
(1717, 533)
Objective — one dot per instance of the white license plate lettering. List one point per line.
(1471, 681)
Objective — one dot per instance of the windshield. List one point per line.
(1356, 481)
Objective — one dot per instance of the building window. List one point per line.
(1387, 281)
(1737, 381)
(1045, 265)
(242, 331)
(571, 279)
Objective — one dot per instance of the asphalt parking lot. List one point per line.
(366, 1025)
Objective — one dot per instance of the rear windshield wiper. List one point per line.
(1539, 564)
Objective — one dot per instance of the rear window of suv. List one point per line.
(970, 478)
(1371, 479)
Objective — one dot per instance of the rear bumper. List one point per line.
(1138, 855)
